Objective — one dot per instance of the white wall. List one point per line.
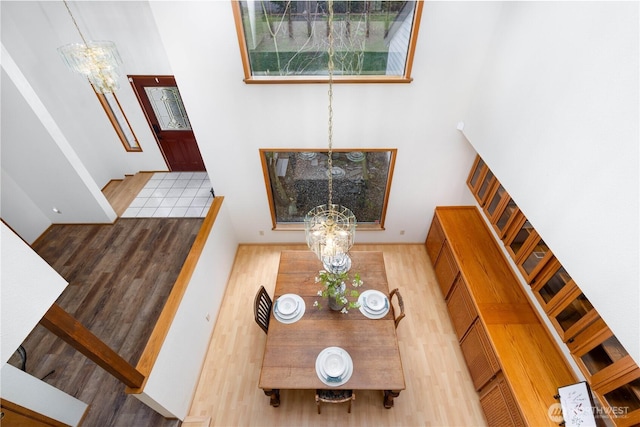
(232, 120)
(29, 392)
(173, 380)
(556, 119)
(55, 177)
(29, 287)
(32, 156)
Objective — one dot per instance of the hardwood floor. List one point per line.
(119, 277)
(120, 193)
(135, 261)
(439, 389)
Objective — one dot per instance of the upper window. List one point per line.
(287, 41)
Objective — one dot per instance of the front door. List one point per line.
(161, 102)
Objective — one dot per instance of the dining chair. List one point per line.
(262, 308)
(400, 316)
(334, 396)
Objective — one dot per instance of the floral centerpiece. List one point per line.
(334, 288)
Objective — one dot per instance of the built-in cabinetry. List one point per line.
(514, 365)
(612, 374)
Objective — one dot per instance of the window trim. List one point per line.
(289, 226)
(110, 104)
(249, 79)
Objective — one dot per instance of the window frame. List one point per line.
(251, 79)
(118, 119)
(288, 226)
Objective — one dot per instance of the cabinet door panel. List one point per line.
(499, 405)
(479, 355)
(446, 269)
(461, 308)
(435, 240)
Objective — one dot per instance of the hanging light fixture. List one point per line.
(97, 60)
(330, 229)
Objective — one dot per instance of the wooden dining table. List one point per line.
(291, 349)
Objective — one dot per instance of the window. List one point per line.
(297, 181)
(286, 41)
(119, 121)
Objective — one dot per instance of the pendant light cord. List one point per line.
(330, 69)
(75, 23)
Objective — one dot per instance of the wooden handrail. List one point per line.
(161, 329)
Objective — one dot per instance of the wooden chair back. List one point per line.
(398, 316)
(334, 396)
(262, 308)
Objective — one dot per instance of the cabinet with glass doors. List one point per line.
(621, 399)
(572, 314)
(496, 202)
(481, 181)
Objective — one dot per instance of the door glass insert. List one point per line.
(521, 237)
(574, 312)
(506, 215)
(627, 396)
(554, 284)
(495, 200)
(603, 355)
(486, 183)
(167, 105)
(536, 255)
(473, 181)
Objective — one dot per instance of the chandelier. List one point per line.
(330, 229)
(96, 60)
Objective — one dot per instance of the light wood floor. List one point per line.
(439, 390)
(121, 192)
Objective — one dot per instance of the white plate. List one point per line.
(297, 315)
(375, 302)
(320, 361)
(334, 364)
(287, 305)
(367, 312)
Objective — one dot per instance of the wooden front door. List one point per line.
(160, 100)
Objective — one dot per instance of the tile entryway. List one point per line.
(172, 195)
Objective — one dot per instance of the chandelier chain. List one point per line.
(75, 23)
(330, 69)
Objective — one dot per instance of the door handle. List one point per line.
(156, 130)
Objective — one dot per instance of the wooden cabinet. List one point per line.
(568, 309)
(573, 314)
(503, 218)
(599, 355)
(513, 362)
(461, 308)
(481, 181)
(479, 354)
(496, 202)
(435, 240)
(499, 405)
(622, 398)
(478, 171)
(446, 269)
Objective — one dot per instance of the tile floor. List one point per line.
(172, 194)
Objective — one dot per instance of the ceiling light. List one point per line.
(97, 60)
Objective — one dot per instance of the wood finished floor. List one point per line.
(439, 389)
(119, 277)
